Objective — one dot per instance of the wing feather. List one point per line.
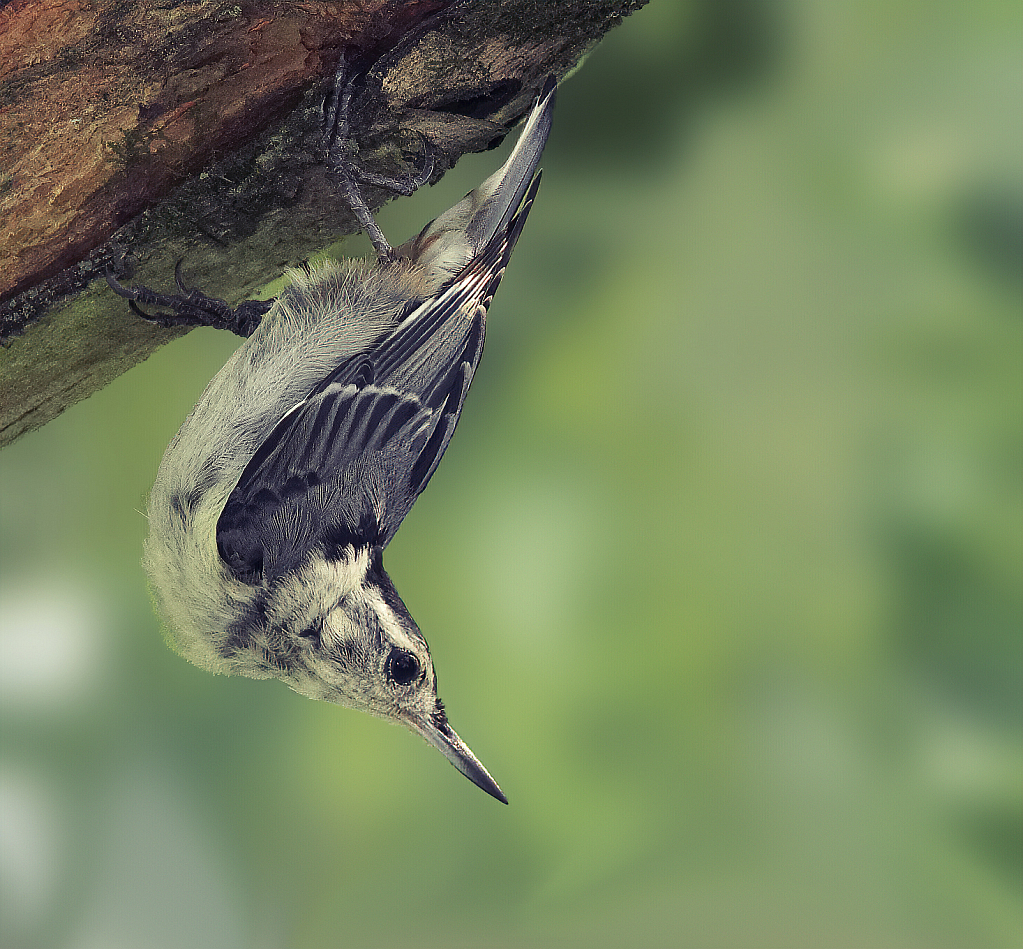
(349, 461)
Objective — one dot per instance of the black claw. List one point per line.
(426, 170)
(138, 311)
(405, 186)
(179, 280)
(191, 307)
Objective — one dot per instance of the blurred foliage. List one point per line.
(721, 573)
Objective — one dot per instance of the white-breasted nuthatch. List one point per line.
(274, 502)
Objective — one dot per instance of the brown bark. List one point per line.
(170, 130)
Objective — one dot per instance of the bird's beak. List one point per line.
(444, 738)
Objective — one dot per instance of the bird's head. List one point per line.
(346, 637)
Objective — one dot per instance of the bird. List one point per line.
(275, 501)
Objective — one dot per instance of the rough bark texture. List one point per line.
(141, 131)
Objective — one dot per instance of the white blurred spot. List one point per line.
(52, 646)
(28, 852)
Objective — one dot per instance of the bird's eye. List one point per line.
(402, 667)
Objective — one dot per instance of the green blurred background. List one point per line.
(721, 573)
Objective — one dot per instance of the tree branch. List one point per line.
(158, 130)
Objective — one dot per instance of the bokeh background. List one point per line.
(721, 572)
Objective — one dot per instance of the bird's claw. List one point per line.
(191, 307)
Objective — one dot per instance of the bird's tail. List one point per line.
(450, 241)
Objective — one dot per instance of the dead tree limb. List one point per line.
(149, 131)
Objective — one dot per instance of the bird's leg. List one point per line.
(339, 160)
(192, 307)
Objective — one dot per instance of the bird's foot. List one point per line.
(190, 307)
(339, 152)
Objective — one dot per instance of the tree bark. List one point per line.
(151, 131)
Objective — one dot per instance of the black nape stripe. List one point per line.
(242, 632)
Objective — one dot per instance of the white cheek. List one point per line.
(388, 621)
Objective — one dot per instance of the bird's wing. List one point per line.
(345, 465)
